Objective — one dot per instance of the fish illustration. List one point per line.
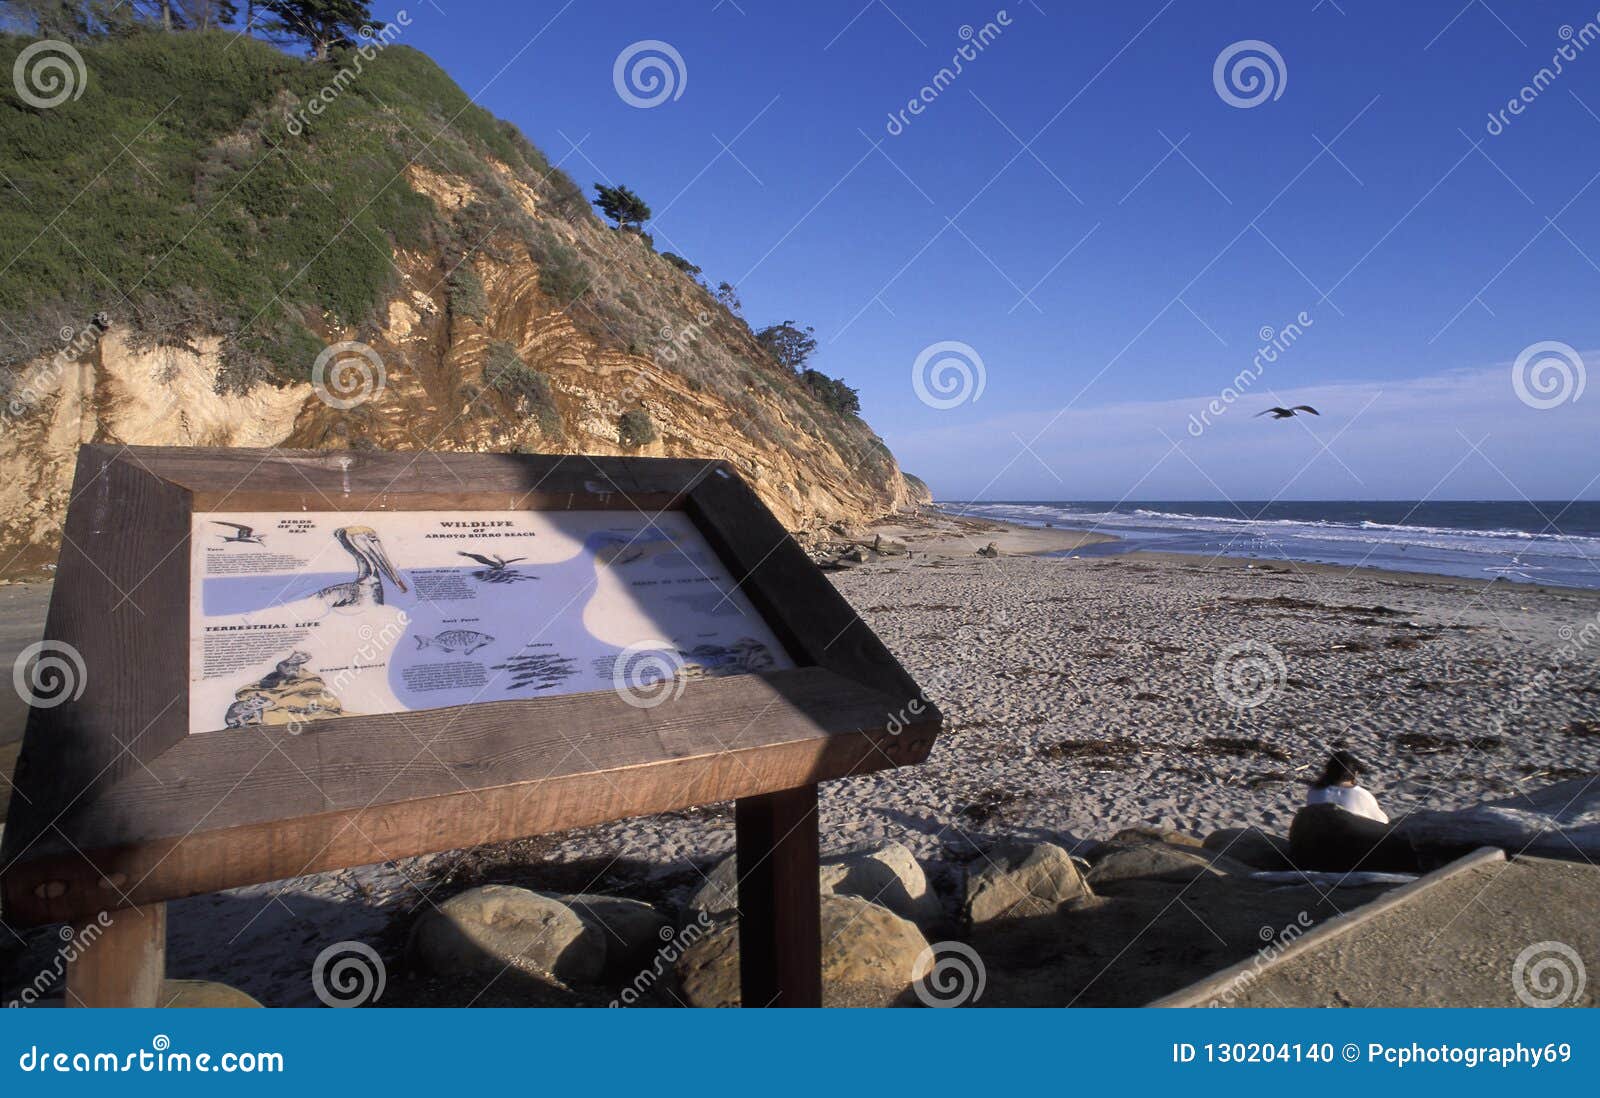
(465, 641)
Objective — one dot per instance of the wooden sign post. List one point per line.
(293, 662)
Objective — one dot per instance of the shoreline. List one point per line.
(1256, 563)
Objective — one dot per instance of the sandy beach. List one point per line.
(1082, 695)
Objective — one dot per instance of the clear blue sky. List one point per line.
(1037, 212)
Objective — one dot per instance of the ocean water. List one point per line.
(1554, 543)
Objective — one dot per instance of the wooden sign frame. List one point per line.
(116, 807)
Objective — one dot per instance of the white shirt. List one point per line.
(1351, 798)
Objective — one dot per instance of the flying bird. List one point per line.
(493, 562)
(1285, 413)
(242, 533)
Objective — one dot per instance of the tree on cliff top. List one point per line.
(323, 24)
(788, 344)
(621, 205)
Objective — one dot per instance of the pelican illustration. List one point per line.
(241, 533)
(372, 564)
(492, 561)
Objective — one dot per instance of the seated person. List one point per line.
(1341, 829)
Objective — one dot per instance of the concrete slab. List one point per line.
(1453, 939)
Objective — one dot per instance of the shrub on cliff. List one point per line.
(526, 389)
(467, 298)
(636, 428)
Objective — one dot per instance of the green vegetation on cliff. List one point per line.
(207, 185)
(191, 188)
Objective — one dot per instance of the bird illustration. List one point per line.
(492, 561)
(1285, 413)
(372, 565)
(241, 533)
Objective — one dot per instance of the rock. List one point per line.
(1019, 880)
(889, 547)
(202, 994)
(854, 555)
(989, 551)
(1555, 821)
(1143, 834)
(633, 931)
(719, 895)
(484, 930)
(888, 875)
(1160, 861)
(870, 957)
(1252, 846)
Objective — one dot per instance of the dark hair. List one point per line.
(1342, 767)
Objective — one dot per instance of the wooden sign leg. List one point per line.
(122, 966)
(780, 920)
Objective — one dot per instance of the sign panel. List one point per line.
(299, 616)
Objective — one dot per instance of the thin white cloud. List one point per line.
(1406, 438)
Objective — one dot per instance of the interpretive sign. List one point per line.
(300, 617)
(289, 662)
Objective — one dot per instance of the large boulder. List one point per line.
(203, 994)
(1160, 862)
(889, 875)
(633, 931)
(870, 957)
(1020, 880)
(1252, 846)
(485, 931)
